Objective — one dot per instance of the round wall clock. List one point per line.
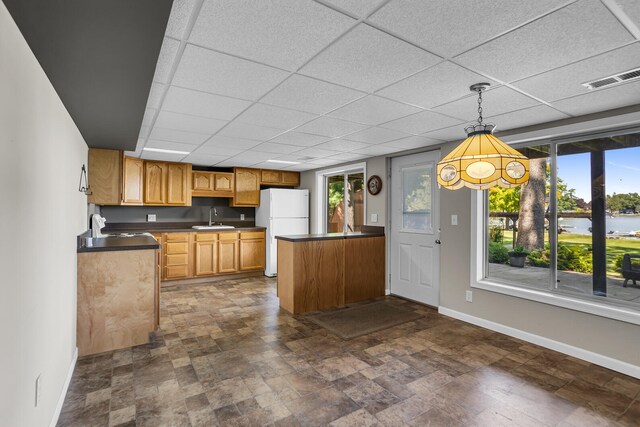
(374, 185)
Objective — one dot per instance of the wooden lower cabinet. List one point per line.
(202, 254)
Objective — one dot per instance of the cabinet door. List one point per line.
(104, 176)
(132, 193)
(176, 256)
(227, 256)
(252, 254)
(291, 178)
(154, 183)
(268, 176)
(224, 182)
(178, 184)
(247, 183)
(203, 181)
(206, 257)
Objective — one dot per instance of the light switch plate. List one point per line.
(151, 218)
(241, 217)
(454, 219)
(374, 217)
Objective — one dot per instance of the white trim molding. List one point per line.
(65, 388)
(577, 352)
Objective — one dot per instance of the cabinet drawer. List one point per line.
(182, 237)
(176, 271)
(252, 235)
(206, 237)
(177, 248)
(228, 236)
(177, 259)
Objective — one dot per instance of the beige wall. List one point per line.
(375, 204)
(612, 338)
(41, 212)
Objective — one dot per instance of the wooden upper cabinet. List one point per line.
(212, 184)
(105, 176)
(133, 181)
(247, 187)
(271, 177)
(179, 184)
(155, 192)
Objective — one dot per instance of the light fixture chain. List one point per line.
(480, 106)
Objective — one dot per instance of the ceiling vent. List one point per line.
(306, 158)
(611, 80)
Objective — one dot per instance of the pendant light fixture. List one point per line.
(482, 161)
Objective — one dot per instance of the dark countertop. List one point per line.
(102, 244)
(328, 236)
(174, 227)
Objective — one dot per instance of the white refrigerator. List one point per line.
(282, 212)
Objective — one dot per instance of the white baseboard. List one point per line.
(67, 381)
(577, 352)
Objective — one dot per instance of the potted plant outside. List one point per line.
(518, 256)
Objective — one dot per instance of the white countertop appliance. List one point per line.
(97, 224)
(282, 212)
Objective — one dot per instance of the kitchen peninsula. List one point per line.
(317, 271)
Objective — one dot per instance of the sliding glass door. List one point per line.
(344, 202)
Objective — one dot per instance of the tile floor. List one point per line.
(226, 355)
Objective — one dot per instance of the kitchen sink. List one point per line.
(213, 227)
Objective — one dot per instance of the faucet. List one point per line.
(215, 214)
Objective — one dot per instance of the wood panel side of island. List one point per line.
(319, 275)
(286, 261)
(365, 275)
(116, 299)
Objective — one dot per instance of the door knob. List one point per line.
(438, 242)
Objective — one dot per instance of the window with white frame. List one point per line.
(341, 199)
(573, 231)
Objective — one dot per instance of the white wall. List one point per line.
(375, 204)
(41, 213)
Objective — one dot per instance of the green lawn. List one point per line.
(615, 247)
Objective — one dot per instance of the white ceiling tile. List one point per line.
(179, 18)
(282, 33)
(276, 117)
(601, 99)
(231, 142)
(550, 42)
(450, 27)
(168, 53)
(422, 122)
(412, 142)
(327, 126)
(326, 161)
(169, 145)
(204, 160)
(215, 72)
(203, 104)
(373, 110)
(375, 135)
(244, 130)
(211, 149)
(348, 157)
(236, 161)
(631, 8)
(494, 101)
(378, 150)
(161, 157)
(567, 81)
(439, 84)
(255, 156)
(341, 145)
(269, 147)
(155, 95)
(525, 117)
(315, 153)
(148, 116)
(453, 133)
(307, 94)
(299, 138)
(180, 136)
(368, 59)
(169, 120)
(360, 8)
(301, 167)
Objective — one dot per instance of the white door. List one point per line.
(415, 228)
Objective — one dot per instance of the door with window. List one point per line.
(345, 202)
(415, 228)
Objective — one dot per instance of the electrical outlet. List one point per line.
(151, 218)
(374, 217)
(241, 217)
(38, 389)
(454, 219)
(469, 296)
